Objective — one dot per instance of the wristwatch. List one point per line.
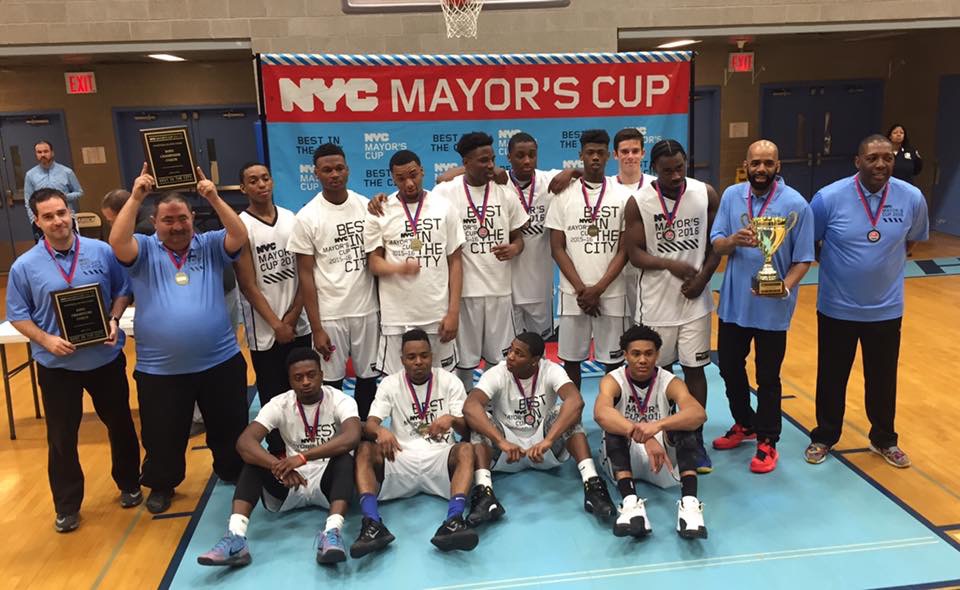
(114, 318)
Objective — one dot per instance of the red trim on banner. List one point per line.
(428, 93)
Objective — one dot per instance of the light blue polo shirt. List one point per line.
(33, 278)
(181, 328)
(738, 305)
(860, 280)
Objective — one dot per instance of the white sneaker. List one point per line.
(632, 520)
(690, 518)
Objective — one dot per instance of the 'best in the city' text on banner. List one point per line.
(373, 106)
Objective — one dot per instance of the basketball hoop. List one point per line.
(461, 17)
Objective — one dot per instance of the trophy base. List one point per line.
(768, 287)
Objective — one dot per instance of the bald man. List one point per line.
(746, 316)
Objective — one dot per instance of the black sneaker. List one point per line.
(374, 536)
(67, 522)
(159, 501)
(484, 506)
(454, 534)
(131, 499)
(596, 499)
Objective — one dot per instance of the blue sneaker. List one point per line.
(231, 550)
(704, 464)
(330, 547)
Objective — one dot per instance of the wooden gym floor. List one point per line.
(117, 548)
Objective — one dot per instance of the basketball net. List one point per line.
(461, 17)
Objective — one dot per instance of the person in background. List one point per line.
(50, 174)
(908, 162)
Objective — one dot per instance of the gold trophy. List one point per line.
(770, 233)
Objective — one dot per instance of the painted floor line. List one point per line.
(947, 490)
(694, 563)
(116, 550)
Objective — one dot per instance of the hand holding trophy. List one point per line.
(770, 233)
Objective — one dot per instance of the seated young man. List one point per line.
(418, 453)
(643, 437)
(320, 428)
(527, 427)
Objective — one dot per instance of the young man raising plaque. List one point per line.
(63, 260)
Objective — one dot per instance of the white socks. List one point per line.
(334, 521)
(483, 477)
(587, 469)
(238, 524)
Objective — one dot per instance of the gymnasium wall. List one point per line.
(321, 25)
(89, 117)
(910, 67)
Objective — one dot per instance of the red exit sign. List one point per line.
(81, 82)
(740, 62)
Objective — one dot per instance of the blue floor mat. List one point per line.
(802, 526)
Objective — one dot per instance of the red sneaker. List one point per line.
(765, 460)
(733, 438)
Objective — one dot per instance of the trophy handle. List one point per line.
(792, 220)
(745, 220)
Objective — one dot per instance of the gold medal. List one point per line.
(423, 429)
(416, 244)
(593, 231)
(181, 278)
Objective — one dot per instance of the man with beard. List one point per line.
(335, 285)
(273, 316)
(746, 316)
(492, 219)
(668, 227)
(586, 225)
(866, 225)
(49, 173)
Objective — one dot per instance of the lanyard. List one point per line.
(766, 202)
(421, 410)
(533, 184)
(311, 432)
(176, 260)
(533, 387)
(416, 216)
(646, 398)
(483, 212)
(866, 206)
(586, 200)
(73, 265)
(670, 215)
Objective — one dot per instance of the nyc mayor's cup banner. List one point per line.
(375, 105)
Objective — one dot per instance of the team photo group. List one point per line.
(416, 292)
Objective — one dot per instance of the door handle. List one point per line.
(810, 159)
(819, 159)
(9, 204)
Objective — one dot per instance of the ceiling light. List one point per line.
(165, 57)
(675, 44)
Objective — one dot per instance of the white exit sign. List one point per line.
(81, 82)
